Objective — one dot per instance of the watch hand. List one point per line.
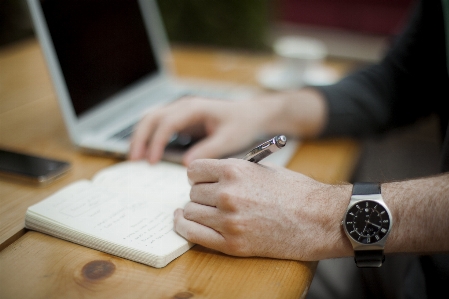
(373, 224)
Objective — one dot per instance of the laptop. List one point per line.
(110, 63)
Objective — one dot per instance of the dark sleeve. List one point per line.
(407, 84)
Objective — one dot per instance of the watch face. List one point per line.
(367, 222)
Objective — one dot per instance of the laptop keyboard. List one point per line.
(125, 133)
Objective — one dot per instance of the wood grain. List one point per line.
(59, 269)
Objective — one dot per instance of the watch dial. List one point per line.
(367, 222)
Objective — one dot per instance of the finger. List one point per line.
(204, 194)
(203, 171)
(158, 142)
(197, 233)
(143, 141)
(141, 135)
(203, 214)
(177, 120)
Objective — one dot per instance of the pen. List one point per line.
(265, 149)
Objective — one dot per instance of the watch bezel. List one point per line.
(380, 244)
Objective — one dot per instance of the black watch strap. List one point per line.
(365, 188)
(368, 258)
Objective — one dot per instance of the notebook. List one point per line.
(110, 63)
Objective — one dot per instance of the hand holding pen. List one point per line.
(265, 149)
(242, 210)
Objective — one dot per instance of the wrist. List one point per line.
(300, 114)
(343, 247)
(337, 198)
(306, 110)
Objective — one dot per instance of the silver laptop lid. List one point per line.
(101, 54)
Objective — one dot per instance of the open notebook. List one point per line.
(109, 64)
(125, 210)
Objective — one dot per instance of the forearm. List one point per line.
(420, 217)
(420, 210)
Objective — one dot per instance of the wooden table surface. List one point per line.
(34, 265)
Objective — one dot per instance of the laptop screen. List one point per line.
(102, 47)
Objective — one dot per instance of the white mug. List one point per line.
(297, 54)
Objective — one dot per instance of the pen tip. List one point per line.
(281, 140)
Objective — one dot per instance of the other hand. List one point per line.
(228, 127)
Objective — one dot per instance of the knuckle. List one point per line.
(227, 199)
(231, 171)
(232, 225)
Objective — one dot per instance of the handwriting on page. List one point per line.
(114, 216)
(152, 230)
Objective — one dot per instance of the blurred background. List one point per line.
(351, 29)
(363, 25)
(15, 23)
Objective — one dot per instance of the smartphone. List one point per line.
(30, 168)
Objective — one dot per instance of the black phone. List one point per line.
(30, 168)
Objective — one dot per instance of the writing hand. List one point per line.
(246, 209)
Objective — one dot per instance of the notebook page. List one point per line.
(164, 183)
(116, 217)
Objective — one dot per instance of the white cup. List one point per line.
(297, 54)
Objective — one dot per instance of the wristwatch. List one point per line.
(367, 223)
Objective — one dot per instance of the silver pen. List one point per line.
(265, 149)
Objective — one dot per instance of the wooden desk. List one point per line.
(34, 265)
